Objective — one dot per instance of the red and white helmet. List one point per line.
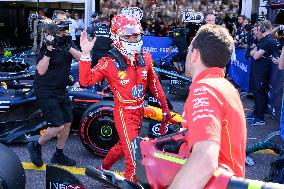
(122, 27)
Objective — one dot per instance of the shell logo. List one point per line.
(122, 75)
(41, 132)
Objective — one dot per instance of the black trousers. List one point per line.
(56, 111)
(260, 90)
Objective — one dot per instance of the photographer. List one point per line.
(265, 48)
(51, 79)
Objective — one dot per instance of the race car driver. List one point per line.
(213, 112)
(129, 71)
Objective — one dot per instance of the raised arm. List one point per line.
(88, 76)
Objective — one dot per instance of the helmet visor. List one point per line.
(134, 38)
(132, 30)
(131, 34)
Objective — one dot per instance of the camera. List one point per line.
(62, 42)
(64, 25)
(58, 41)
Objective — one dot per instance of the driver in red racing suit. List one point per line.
(128, 79)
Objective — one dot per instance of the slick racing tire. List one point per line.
(263, 145)
(98, 132)
(12, 173)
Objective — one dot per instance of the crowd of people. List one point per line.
(160, 17)
(263, 51)
(213, 112)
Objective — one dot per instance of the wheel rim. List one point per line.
(102, 134)
(106, 131)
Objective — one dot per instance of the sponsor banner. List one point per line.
(239, 69)
(157, 46)
(190, 16)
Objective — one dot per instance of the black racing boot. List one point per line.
(60, 158)
(34, 149)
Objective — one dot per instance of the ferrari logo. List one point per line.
(122, 75)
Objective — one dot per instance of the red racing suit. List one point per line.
(129, 89)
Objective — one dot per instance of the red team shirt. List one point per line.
(213, 111)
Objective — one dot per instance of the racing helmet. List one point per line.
(122, 28)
